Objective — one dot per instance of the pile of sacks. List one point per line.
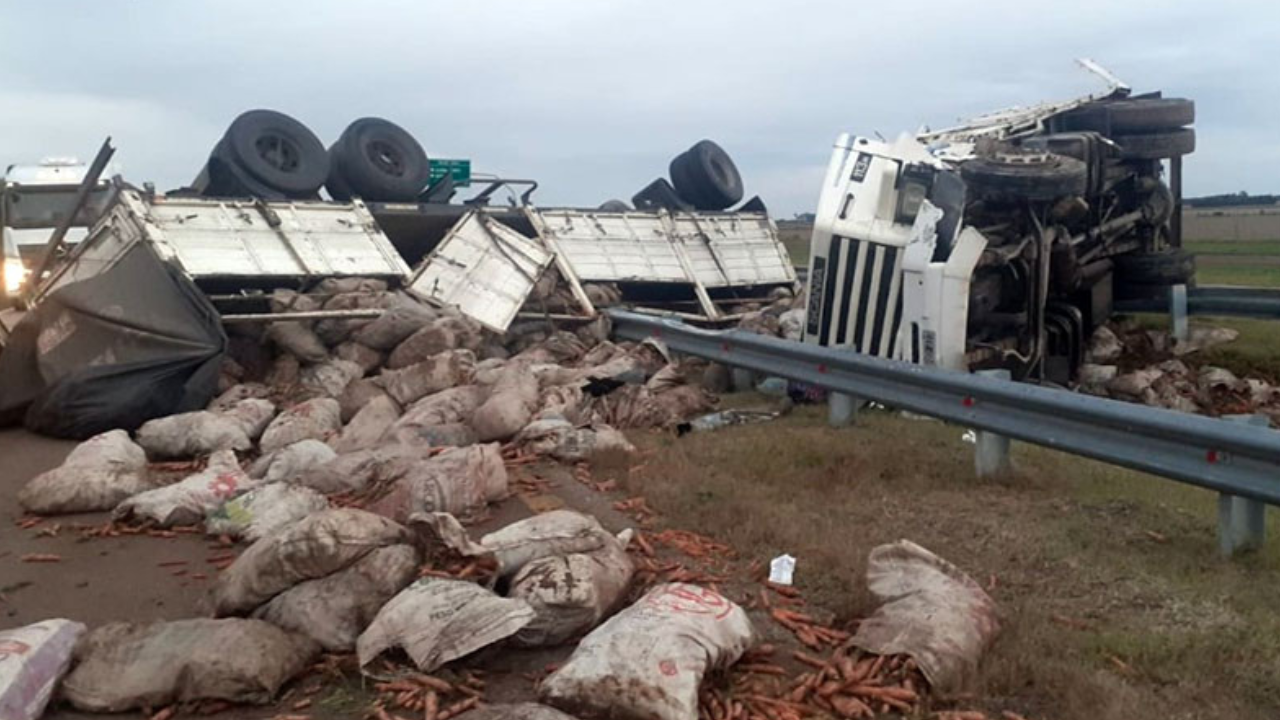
(1127, 362)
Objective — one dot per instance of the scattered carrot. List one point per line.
(41, 558)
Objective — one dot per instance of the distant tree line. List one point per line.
(1231, 200)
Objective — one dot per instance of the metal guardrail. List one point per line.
(1215, 300)
(1232, 458)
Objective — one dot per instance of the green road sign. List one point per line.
(461, 170)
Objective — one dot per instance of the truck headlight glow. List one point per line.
(14, 275)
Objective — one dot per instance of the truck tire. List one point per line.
(379, 160)
(705, 176)
(335, 183)
(1034, 176)
(1150, 114)
(277, 151)
(1167, 267)
(614, 206)
(1157, 146)
(658, 195)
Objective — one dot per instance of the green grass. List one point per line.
(1236, 270)
(796, 237)
(1256, 353)
(1233, 247)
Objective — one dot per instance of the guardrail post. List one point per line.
(991, 451)
(842, 409)
(743, 379)
(1241, 521)
(1178, 311)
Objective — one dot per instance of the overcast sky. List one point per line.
(593, 97)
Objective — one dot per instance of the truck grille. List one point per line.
(856, 297)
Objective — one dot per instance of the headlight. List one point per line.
(14, 275)
(913, 188)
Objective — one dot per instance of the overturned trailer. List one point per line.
(128, 325)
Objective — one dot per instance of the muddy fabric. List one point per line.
(330, 378)
(335, 609)
(97, 475)
(33, 659)
(188, 501)
(292, 461)
(446, 333)
(356, 396)
(264, 510)
(562, 402)
(438, 372)
(448, 407)
(570, 594)
(558, 532)
(559, 439)
(236, 393)
(313, 419)
(509, 407)
(637, 406)
(357, 470)
(122, 666)
(394, 326)
(365, 357)
(319, 545)
(368, 426)
(338, 286)
(932, 611)
(648, 660)
(519, 711)
(298, 340)
(436, 620)
(459, 481)
(253, 415)
(334, 331)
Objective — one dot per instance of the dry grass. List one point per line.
(1117, 605)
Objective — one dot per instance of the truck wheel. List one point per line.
(705, 176)
(336, 184)
(614, 206)
(1157, 146)
(1150, 114)
(1031, 175)
(658, 195)
(378, 160)
(278, 151)
(1167, 267)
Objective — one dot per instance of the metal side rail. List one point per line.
(1215, 300)
(1232, 458)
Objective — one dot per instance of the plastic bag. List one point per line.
(570, 594)
(368, 426)
(121, 665)
(33, 658)
(318, 545)
(648, 660)
(932, 611)
(292, 461)
(188, 501)
(313, 419)
(97, 475)
(264, 510)
(438, 372)
(458, 480)
(558, 532)
(437, 621)
(335, 609)
(192, 434)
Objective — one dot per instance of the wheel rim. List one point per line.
(278, 152)
(385, 157)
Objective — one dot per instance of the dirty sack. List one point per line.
(330, 378)
(192, 434)
(97, 475)
(368, 426)
(449, 408)
(298, 340)
(356, 396)
(318, 545)
(510, 406)
(932, 611)
(648, 660)
(561, 440)
(570, 594)
(354, 471)
(292, 461)
(638, 406)
(441, 371)
(518, 711)
(436, 621)
(33, 658)
(187, 502)
(313, 419)
(253, 414)
(402, 319)
(558, 532)
(264, 510)
(236, 393)
(121, 666)
(335, 609)
(459, 480)
(446, 333)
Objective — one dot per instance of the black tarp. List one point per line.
(136, 342)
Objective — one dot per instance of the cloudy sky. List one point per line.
(593, 98)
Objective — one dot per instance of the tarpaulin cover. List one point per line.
(136, 342)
